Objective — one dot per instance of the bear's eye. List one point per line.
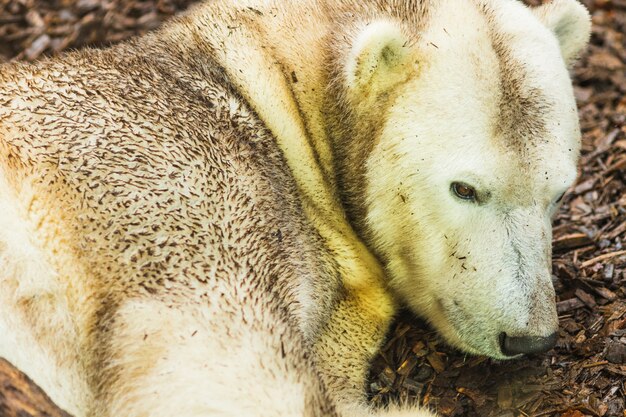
(464, 191)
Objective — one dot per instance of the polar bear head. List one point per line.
(455, 189)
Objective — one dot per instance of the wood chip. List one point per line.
(586, 298)
(618, 231)
(505, 397)
(21, 397)
(605, 293)
(601, 258)
(566, 306)
(436, 362)
(37, 47)
(407, 366)
(572, 241)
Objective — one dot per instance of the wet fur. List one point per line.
(174, 237)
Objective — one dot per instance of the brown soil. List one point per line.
(585, 374)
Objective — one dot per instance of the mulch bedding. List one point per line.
(585, 375)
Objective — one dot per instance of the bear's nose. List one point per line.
(515, 345)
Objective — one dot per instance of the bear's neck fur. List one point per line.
(291, 74)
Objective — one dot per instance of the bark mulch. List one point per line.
(20, 397)
(585, 375)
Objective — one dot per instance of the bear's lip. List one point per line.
(495, 348)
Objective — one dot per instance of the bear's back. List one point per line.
(165, 180)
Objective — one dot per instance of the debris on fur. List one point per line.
(584, 375)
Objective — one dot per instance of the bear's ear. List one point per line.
(570, 22)
(378, 58)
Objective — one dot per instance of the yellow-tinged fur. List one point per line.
(212, 219)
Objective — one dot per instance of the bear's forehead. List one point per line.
(507, 77)
(529, 67)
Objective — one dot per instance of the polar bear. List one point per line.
(221, 217)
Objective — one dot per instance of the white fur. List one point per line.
(196, 369)
(440, 130)
(33, 303)
(473, 270)
(374, 62)
(569, 20)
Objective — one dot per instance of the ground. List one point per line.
(585, 375)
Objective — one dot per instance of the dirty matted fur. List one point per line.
(190, 220)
